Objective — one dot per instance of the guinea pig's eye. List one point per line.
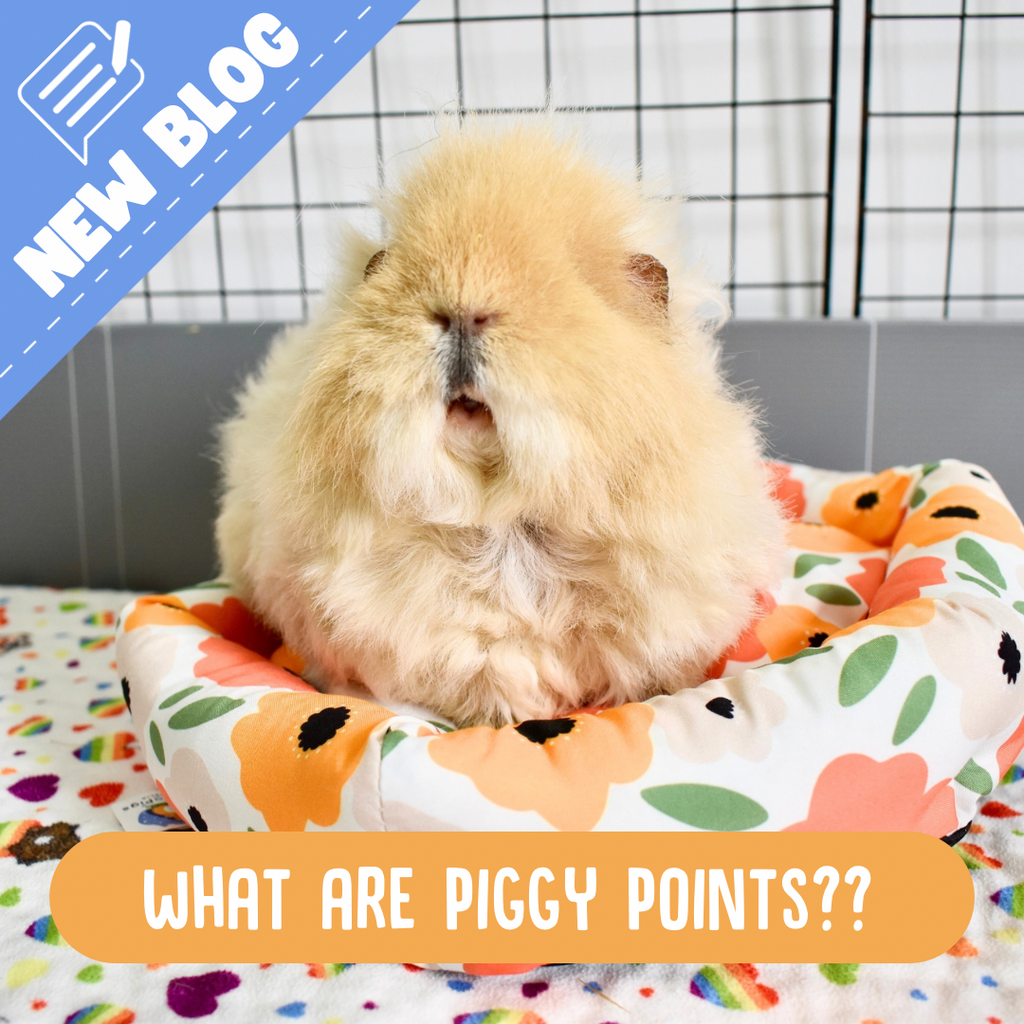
(374, 263)
(650, 276)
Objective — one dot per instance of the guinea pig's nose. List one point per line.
(470, 324)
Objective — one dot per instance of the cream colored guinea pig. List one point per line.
(499, 476)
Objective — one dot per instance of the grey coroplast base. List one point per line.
(110, 481)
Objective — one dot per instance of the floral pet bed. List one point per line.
(69, 754)
(881, 690)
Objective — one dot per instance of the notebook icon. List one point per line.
(81, 83)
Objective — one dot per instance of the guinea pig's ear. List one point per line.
(374, 263)
(649, 275)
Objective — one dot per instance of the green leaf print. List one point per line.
(915, 709)
(971, 552)
(805, 563)
(831, 593)
(866, 668)
(203, 710)
(707, 807)
(973, 777)
(180, 695)
(390, 741)
(981, 583)
(156, 742)
(807, 652)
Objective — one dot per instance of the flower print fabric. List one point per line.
(880, 686)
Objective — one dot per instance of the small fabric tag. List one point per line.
(148, 812)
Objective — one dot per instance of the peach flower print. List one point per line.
(705, 723)
(980, 652)
(230, 664)
(855, 793)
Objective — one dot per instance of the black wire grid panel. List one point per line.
(669, 82)
(941, 212)
(734, 105)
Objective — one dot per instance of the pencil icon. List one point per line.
(119, 58)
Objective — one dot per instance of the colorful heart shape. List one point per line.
(35, 788)
(196, 995)
(733, 987)
(963, 948)
(102, 793)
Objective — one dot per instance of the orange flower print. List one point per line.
(781, 631)
(748, 649)
(561, 768)
(230, 664)
(298, 751)
(904, 583)
(857, 794)
(867, 582)
(822, 538)
(234, 621)
(163, 610)
(907, 615)
(959, 510)
(789, 492)
(871, 508)
(289, 659)
(790, 628)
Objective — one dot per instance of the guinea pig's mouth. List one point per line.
(467, 412)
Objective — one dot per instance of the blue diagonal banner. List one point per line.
(124, 123)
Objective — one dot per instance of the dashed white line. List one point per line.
(217, 159)
(25, 353)
(1, 374)
(82, 296)
(269, 108)
(342, 36)
(53, 323)
(153, 225)
(313, 65)
(172, 204)
(104, 274)
(361, 15)
(197, 180)
(246, 130)
(289, 87)
(126, 250)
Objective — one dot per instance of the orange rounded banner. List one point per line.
(766, 897)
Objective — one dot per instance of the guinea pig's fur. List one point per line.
(498, 477)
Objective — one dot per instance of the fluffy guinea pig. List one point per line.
(500, 476)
